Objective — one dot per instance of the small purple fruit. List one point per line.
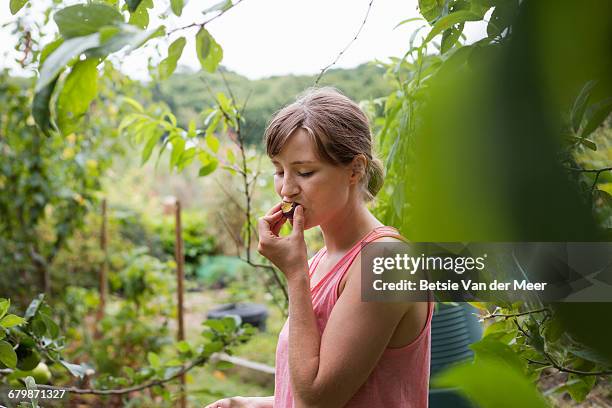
(288, 208)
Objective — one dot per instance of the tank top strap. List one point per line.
(333, 278)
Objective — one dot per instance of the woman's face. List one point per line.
(302, 177)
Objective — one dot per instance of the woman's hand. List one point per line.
(243, 402)
(287, 253)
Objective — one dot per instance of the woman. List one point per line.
(335, 350)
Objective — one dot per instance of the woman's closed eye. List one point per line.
(306, 174)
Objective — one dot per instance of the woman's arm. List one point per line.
(327, 370)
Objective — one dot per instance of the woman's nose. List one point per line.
(289, 188)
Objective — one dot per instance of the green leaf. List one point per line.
(209, 52)
(491, 383)
(65, 52)
(213, 347)
(580, 104)
(168, 65)
(48, 49)
(183, 346)
(223, 365)
(52, 327)
(127, 35)
(5, 304)
(502, 17)
(221, 6)
(133, 5)
(85, 19)
(16, 5)
(40, 107)
(153, 360)
(7, 355)
(216, 325)
(596, 114)
(77, 370)
(177, 6)
(450, 20)
(409, 20)
(212, 142)
(450, 37)
(11, 320)
(579, 387)
(178, 147)
(152, 140)
(33, 307)
(80, 88)
(431, 9)
(209, 163)
(140, 16)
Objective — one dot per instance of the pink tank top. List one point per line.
(401, 377)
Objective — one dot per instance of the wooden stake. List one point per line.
(180, 276)
(103, 284)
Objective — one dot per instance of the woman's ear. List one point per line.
(358, 168)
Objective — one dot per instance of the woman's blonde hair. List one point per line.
(338, 127)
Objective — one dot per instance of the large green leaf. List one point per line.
(40, 107)
(133, 5)
(450, 20)
(596, 114)
(168, 65)
(177, 6)
(491, 383)
(58, 59)
(580, 104)
(85, 19)
(16, 5)
(48, 49)
(115, 38)
(80, 88)
(209, 52)
(431, 9)
(7, 355)
(11, 320)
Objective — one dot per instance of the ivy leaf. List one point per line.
(11, 320)
(85, 19)
(209, 52)
(168, 65)
(177, 6)
(40, 107)
(221, 6)
(580, 104)
(65, 52)
(16, 5)
(133, 5)
(450, 20)
(80, 88)
(7, 355)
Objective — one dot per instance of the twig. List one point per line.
(202, 24)
(127, 390)
(347, 46)
(571, 370)
(596, 171)
(507, 316)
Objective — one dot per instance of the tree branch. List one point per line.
(203, 23)
(507, 316)
(120, 391)
(323, 70)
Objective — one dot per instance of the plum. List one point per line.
(288, 208)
